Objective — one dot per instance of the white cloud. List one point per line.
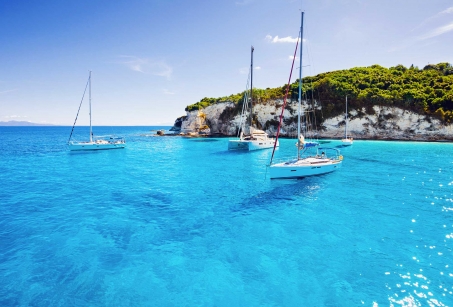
(431, 34)
(15, 116)
(438, 31)
(447, 11)
(244, 71)
(291, 57)
(4, 92)
(276, 39)
(258, 67)
(288, 39)
(134, 63)
(146, 66)
(167, 92)
(434, 17)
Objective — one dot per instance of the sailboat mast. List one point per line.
(300, 84)
(91, 132)
(346, 120)
(251, 88)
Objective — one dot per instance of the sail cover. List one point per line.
(256, 131)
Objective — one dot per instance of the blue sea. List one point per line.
(172, 221)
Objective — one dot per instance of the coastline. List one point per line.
(221, 136)
(376, 123)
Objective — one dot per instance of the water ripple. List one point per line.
(174, 221)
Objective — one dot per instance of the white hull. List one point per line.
(346, 142)
(95, 145)
(251, 144)
(303, 168)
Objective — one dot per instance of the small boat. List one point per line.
(346, 141)
(249, 137)
(311, 159)
(95, 143)
(256, 139)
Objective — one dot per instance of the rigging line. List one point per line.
(320, 105)
(72, 130)
(307, 129)
(313, 106)
(244, 104)
(284, 101)
(244, 108)
(313, 72)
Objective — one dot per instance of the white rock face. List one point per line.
(213, 113)
(389, 123)
(386, 122)
(192, 122)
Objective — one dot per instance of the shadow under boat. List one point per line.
(288, 192)
(204, 140)
(324, 142)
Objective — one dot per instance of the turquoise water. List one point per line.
(172, 221)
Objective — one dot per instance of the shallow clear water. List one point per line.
(172, 221)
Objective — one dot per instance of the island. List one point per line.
(396, 103)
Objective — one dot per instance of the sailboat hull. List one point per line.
(251, 144)
(303, 168)
(95, 146)
(346, 142)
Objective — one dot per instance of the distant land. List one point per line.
(21, 123)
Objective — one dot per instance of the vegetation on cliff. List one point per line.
(425, 91)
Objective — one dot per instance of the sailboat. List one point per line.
(95, 143)
(250, 138)
(346, 141)
(311, 160)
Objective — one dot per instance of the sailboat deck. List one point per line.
(306, 162)
(305, 167)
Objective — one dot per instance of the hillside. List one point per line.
(424, 91)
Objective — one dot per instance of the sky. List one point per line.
(151, 58)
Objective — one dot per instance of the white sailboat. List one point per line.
(309, 160)
(95, 143)
(250, 138)
(346, 141)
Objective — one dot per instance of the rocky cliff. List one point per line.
(378, 122)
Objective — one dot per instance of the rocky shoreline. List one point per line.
(440, 140)
(376, 123)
